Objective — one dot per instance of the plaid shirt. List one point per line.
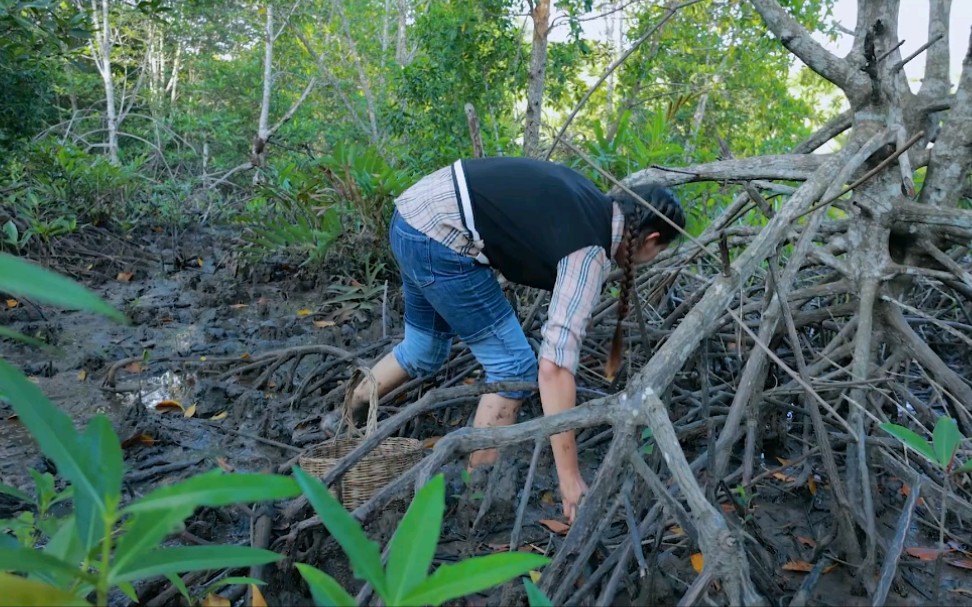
(431, 207)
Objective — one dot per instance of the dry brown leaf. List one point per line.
(138, 439)
(698, 562)
(124, 276)
(430, 442)
(218, 416)
(12, 303)
(728, 508)
(256, 597)
(805, 567)
(323, 324)
(960, 563)
(806, 541)
(812, 486)
(547, 497)
(225, 465)
(135, 367)
(924, 554)
(676, 530)
(191, 410)
(245, 356)
(82, 375)
(786, 478)
(906, 491)
(215, 600)
(498, 547)
(239, 306)
(784, 461)
(169, 405)
(555, 525)
(303, 312)
(199, 261)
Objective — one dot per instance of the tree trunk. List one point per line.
(100, 45)
(258, 150)
(538, 68)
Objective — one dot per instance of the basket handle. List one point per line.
(356, 377)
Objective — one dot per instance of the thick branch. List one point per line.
(799, 42)
(796, 167)
(935, 82)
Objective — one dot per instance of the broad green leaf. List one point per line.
(192, 558)
(15, 590)
(945, 440)
(911, 439)
(25, 279)
(53, 431)
(231, 581)
(362, 552)
(28, 560)
(11, 334)
(104, 450)
(324, 589)
(473, 575)
(129, 591)
(146, 532)
(535, 596)
(216, 488)
(966, 467)
(65, 545)
(412, 548)
(15, 492)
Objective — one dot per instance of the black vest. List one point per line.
(531, 213)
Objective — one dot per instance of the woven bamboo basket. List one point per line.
(386, 462)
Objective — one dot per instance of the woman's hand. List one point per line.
(572, 489)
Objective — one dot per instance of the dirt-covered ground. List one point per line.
(224, 341)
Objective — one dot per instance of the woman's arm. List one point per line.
(559, 393)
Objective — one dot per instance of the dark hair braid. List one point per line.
(639, 221)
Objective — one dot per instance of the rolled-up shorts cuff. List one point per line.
(506, 355)
(422, 352)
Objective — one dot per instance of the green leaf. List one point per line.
(231, 581)
(25, 279)
(193, 558)
(5, 332)
(15, 590)
(180, 586)
(102, 448)
(535, 596)
(216, 488)
(324, 589)
(966, 467)
(472, 575)
(55, 434)
(945, 440)
(146, 532)
(412, 548)
(362, 552)
(65, 545)
(129, 591)
(15, 492)
(911, 439)
(28, 560)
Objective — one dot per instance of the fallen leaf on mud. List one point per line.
(960, 563)
(534, 576)
(784, 462)
(555, 525)
(430, 442)
(82, 375)
(729, 508)
(135, 367)
(812, 486)
(547, 497)
(215, 600)
(12, 303)
(786, 478)
(924, 554)
(807, 541)
(245, 356)
(499, 547)
(323, 324)
(169, 405)
(124, 276)
(303, 312)
(256, 599)
(218, 416)
(238, 306)
(698, 562)
(225, 465)
(138, 439)
(191, 410)
(906, 491)
(805, 567)
(199, 261)
(676, 530)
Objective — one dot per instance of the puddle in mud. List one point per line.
(171, 385)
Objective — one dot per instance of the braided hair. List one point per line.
(639, 221)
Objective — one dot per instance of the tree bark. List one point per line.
(538, 69)
(100, 45)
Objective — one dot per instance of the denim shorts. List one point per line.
(448, 295)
